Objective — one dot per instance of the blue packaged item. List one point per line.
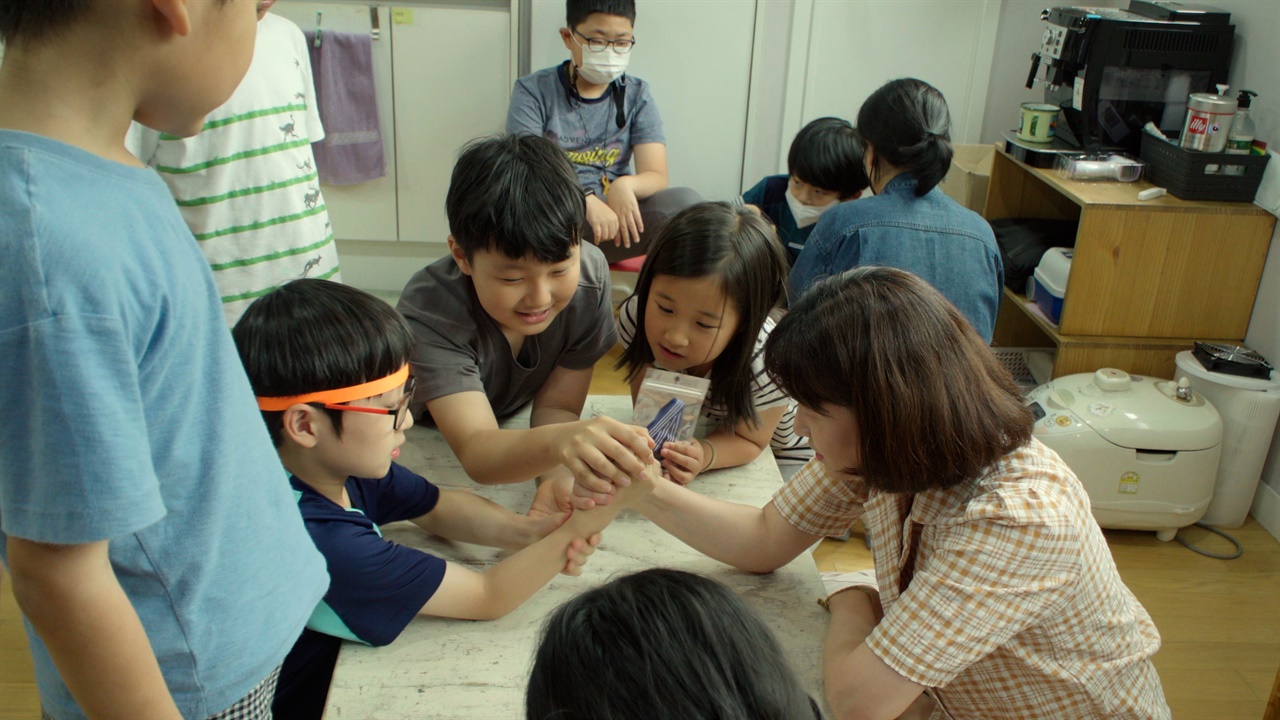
(669, 404)
(665, 426)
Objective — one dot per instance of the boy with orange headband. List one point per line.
(329, 364)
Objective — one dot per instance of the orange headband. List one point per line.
(339, 395)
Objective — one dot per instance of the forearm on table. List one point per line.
(748, 538)
(73, 600)
(731, 450)
(465, 517)
(499, 456)
(514, 580)
(542, 417)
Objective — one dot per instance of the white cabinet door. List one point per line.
(452, 82)
(697, 58)
(855, 47)
(366, 211)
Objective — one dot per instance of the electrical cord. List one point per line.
(1239, 548)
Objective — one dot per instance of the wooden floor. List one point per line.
(1220, 619)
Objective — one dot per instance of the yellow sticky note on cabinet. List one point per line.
(402, 16)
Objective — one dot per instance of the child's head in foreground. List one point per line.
(180, 60)
(329, 364)
(706, 288)
(662, 645)
(515, 221)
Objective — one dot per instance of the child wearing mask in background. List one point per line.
(824, 168)
(602, 118)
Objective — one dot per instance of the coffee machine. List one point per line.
(1112, 71)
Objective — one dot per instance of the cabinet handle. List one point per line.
(373, 22)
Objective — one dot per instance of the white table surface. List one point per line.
(440, 668)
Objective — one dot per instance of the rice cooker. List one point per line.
(1145, 450)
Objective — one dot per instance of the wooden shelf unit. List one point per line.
(1147, 278)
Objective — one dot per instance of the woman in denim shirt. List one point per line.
(909, 223)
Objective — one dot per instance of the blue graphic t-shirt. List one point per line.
(586, 129)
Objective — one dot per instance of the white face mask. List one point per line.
(602, 68)
(806, 215)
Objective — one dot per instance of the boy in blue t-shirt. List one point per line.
(824, 168)
(330, 365)
(137, 482)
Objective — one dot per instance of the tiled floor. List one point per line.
(1220, 619)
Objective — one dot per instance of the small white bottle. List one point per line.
(1240, 141)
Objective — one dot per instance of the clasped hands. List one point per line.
(617, 218)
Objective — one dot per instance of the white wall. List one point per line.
(1256, 66)
(854, 48)
(765, 151)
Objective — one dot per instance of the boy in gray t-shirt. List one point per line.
(518, 312)
(602, 119)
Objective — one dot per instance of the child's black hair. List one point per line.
(827, 154)
(662, 645)
(739, 246)
(518, 195)
(313, 335)
(908, 126)
(577, 11)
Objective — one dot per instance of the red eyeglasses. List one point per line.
(400, 411)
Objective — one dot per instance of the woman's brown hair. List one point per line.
(933, 406)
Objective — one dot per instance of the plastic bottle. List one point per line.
(1241, 138)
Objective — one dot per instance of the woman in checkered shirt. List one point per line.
(996, 594)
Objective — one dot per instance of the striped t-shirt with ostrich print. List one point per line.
(247, 183)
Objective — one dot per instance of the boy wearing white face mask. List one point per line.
(824, 168)
(603, 119)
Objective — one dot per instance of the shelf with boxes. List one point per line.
(1147, 278)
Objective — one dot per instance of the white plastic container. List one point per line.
(1249, 408)
(1099, 166)
(1051, 281)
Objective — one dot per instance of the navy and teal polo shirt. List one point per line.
(375, 586)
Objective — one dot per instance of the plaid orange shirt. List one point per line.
(1000, 595)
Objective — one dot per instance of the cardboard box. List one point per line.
(966, 181)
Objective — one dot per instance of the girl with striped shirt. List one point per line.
(701, 306)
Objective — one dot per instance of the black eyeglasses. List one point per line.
(621, 47)
(400, 411)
